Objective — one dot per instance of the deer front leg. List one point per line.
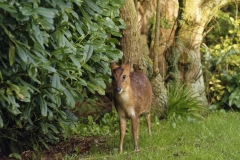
(135, 130)
(122, 123)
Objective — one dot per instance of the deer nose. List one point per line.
(119, 90)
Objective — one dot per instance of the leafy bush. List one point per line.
(182, 103)
(53, 53)
(221, 24)
(108, 125)
(222, 63)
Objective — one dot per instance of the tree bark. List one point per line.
(185, 59)
(131, 35)
(168, 13)
(156, 43)
(159, 91)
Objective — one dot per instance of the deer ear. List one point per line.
(126, 65)
(113, 66)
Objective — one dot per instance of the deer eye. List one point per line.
(124, 76)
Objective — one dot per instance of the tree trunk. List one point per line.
(180, 47)
(131, 35)
(185, 59)
(130, 43)
(168, 13)
(156, 42)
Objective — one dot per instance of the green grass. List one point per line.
(216, 137)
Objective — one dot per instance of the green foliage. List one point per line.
(108, 125)
(164, 23)
(222, 24)
(222, 63)
(53, 53)
(15, 156)
(182, 103)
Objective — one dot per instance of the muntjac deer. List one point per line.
(132, 97)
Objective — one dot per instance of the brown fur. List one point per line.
(132, 97)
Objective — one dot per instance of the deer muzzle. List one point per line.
(119, 90)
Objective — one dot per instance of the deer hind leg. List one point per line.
(135, 130)
(148, 119)
(122, 124)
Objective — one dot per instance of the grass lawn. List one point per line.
(215, 137)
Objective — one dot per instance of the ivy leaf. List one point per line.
(88, 68)
(113, 40)
(62, 114)
(15, 156)
(44, 128)
(53, 128)
(50, 115)
(56, 84)
(1, 77)
(99, 82)
(13, 108)
(100, 90)
(91, 87)
(71, 116)
(43, 142)
(64, 73)
(8, 7)
(53, 98)
(26, 111)
(43, 105)
(32, 71)
(69, 99)
(75, 14)
(23, 94)
(46, 12)
(93, 6)
(22, 53)
(75, 61)
(1, 121)
(79, 29)
(85, 15)
(46, 23)
(58, 36)
(11, 54)
(49, 68)
(88, 51)
(82, 82)
(109, 23)
(88, 9)
(61, 51)
(96, 58)
(234, 96)
(26, 10)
